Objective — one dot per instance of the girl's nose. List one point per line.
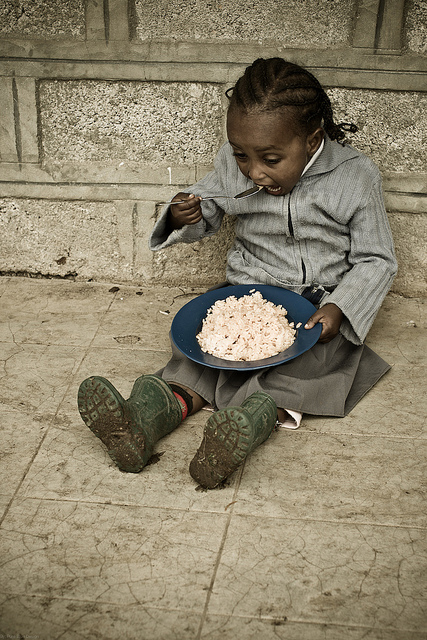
(256, 172)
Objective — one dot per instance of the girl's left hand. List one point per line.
(330, 317)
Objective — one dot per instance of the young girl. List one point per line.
(318, 227)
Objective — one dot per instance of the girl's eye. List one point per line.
(239, 156)
(272, 160)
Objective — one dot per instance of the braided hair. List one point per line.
(275, 83)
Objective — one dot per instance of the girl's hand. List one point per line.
(188, 212)
(330, 317)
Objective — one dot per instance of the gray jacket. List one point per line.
(331, 231)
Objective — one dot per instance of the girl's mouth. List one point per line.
(273, 190)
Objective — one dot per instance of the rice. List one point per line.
(246, 328)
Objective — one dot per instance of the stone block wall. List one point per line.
(109, 107)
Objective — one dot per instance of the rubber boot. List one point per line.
(230, 435)
(129, 428)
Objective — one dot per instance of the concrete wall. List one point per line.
(109, 107)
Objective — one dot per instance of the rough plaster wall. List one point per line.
(415, 32)
(144, 122)
(204, 261)
(43, 18)
(392, 125)
(410, 238)
(91, 121)
(97, 149)
(313, 23)
(63, 238)
(182, 123)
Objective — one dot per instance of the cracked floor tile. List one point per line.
(73, 464)
(345, 574)
(34, 378)
(62, 619)
(4, 501)
(374, 480)
(54, 296)
(109, 554)
(396, 406)
(398, 333)
(121, 366)
(230, 628)
(20, 438)
(50, 328)
(143, 322)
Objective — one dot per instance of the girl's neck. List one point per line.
(314, 157)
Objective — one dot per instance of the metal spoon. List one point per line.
(239, 196)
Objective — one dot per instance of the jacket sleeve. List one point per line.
(213, 183)
(363, 288)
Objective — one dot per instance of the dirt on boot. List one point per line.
(102, 409)
(226, 443)
(230, 435)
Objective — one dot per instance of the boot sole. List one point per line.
(102, 409)
(225, 445)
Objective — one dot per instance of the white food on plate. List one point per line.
(246, 328)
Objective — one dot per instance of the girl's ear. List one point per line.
(314, 140)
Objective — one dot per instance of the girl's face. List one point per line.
(268, 150)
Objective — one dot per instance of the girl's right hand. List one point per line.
(188, 212)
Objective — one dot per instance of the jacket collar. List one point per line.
(314, 157)
(332, 155)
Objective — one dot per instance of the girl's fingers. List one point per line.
(313, 320)
(189, 216)
(194, 218)
(187, 210)
(192, 212)
(190, 201)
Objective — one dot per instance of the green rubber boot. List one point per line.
(129, 428)
(230, 435)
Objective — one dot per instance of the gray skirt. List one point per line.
(327, 380)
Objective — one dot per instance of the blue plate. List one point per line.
(188, 323)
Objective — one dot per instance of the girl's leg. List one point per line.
(130, 428)
(230, 435)
(193, 400)
(281, 415)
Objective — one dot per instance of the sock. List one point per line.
(184, 399)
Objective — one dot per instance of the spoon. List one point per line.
(239, 196)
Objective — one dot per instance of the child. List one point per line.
(318, 227)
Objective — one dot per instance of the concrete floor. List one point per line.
(320, 536)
